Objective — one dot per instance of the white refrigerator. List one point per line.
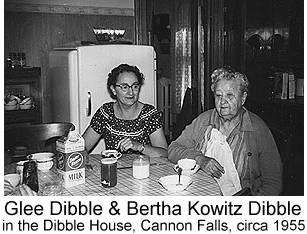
(78, 78)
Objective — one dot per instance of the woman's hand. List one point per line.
(210, 166)
(126, 144)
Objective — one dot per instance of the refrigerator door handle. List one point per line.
(89, 104)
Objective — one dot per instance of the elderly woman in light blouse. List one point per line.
(253, 151)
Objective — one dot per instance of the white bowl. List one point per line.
(44, 160)
(10, 107)
(12, 102)
(111, 153)
(27, 101)
(45, 165)
(42, 156)
(170, 182)
(25, 106)
(13, 97)
(14, 179)
(186, 163)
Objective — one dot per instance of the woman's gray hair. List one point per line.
(227, 73)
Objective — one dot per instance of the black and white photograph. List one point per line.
(131, 77)
(154, 99)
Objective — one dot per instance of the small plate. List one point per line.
(187, 172)
(170, 182)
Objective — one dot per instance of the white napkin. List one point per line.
(219, 149)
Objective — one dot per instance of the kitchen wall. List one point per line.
(35, 27)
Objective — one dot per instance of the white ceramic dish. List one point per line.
(26, 101)
(187, 172)
(186, 163)
(14, 179)
(10, 107)
(43, 156)
(111, 153)
(170, 182)
(44, 160)
(45, 165)
(13, 97)
(25, 106)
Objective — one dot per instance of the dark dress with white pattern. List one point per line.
(113, 129)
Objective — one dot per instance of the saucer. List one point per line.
(187, 172)
(170, 182)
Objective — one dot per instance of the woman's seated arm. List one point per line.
(158, 146)
(91, 137)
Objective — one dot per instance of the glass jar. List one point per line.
(140, 167)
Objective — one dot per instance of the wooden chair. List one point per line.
(19, 141)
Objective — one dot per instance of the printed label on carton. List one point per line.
(73, 178)
(70, 161)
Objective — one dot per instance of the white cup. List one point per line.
(111, 153)
(186, 163)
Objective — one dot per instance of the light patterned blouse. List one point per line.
(113, 129)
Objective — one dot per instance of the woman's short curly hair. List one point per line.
(113, 75)
(228, 73)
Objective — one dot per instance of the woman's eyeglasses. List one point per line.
(125, 87)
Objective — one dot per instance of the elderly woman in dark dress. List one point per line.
(252, 148)
(127, 124)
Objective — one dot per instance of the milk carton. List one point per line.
(70, 159)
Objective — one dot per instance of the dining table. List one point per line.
(202, 183)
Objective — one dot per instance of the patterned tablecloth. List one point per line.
(202, 185)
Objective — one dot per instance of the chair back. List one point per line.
(243, 192)
(22, 140)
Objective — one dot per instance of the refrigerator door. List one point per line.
(96, 62)
(63, 76)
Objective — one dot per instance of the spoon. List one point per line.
(179, 174)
